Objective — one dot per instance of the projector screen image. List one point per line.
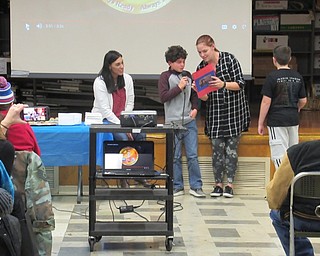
(52, 38)
(137, 6)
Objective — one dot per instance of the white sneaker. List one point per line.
(178, 192)
(197, 192)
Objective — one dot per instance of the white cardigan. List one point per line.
(103, 100)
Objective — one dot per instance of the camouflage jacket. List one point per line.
(30, 179)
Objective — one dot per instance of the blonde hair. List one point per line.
(207, 40)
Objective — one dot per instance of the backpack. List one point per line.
(10, 236)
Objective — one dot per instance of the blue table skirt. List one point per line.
(68, 145)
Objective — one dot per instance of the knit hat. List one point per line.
(6, 202)
(6, 94)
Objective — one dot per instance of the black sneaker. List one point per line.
(228, 192)
(218, 191)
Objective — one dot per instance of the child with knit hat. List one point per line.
(6, 94)
(20, 135)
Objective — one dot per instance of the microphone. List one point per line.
(184, 73)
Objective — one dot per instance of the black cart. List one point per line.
(97, 229)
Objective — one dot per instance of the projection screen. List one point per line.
(61, 38)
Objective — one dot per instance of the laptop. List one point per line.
(128, 158)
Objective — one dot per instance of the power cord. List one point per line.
(163, 209)
(146, 124)
(133, 121)
(176, 206)
(141, 216)
(74, 212)
(131, 208)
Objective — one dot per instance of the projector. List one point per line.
(138, 118)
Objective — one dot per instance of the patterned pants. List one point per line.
(225, 158)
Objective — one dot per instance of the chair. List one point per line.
(305, 185)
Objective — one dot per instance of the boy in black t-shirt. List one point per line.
(284, 95)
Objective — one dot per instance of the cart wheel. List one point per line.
(92, 240)
(98, 238)
(168, 243)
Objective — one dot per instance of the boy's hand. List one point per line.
(260, 129)
(183, 83)
(193, 113)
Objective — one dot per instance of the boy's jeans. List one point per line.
(190, 140)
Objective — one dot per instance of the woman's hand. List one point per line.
(193, 86)
(129, 135)
(204, 97)
(216, 82)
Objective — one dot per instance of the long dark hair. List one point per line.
(109, 58)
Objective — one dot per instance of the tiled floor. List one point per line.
(224, 227)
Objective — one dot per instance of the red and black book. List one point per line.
(202, 78)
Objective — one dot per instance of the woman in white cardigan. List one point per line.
(113, 92)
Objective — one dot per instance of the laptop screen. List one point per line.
(128, 155)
